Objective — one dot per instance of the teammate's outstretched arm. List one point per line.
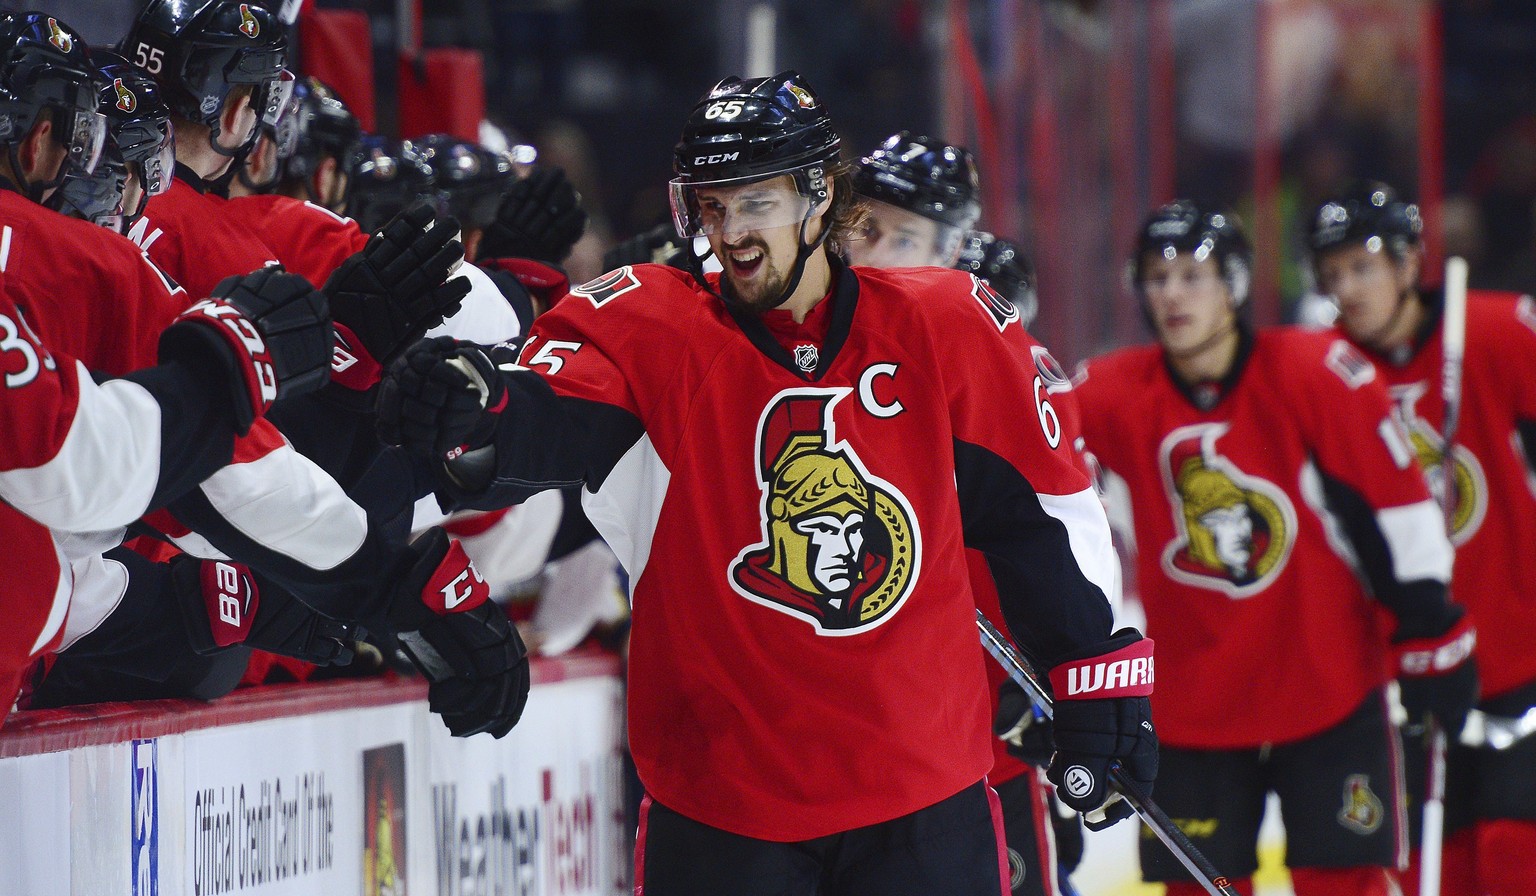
(85, 456)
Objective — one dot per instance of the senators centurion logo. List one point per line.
(1468, 484)
(840, 547)
(1235, 531)
(248, 24)
(126, 101)
(59, 37)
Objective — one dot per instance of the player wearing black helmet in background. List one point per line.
(922, 195)
(1287, 554)
(1368, 258)
(790, 458)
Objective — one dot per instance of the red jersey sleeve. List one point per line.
(1025, 499)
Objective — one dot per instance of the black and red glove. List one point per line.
(540, 217)
(388, 295)
(1103, 717)
(442, 614)
(223, 606)
(1437, 674)
(1026, 731)
(441, 399)
(268, 333)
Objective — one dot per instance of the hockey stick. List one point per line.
(1453, 347)
(1178, 843)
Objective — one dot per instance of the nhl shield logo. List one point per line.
(59, 37)
(1234, 530)
(248, 24)
(840, 547)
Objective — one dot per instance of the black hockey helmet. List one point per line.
(140, 138)
(45, 69)
(320, 127)
(200, 50)
(1005, 267)
(924, 176)
(470, 178)
(1368, 211)
(1182, 226)
(743, 131)
(746, 130)
(386, 177)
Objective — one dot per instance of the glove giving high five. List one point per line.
(268, 333)
(388, 295)
(540, 217)
(441, 399)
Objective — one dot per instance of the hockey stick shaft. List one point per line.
(1178, 843)
(1453, 345)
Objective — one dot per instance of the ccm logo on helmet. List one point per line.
(716, 159)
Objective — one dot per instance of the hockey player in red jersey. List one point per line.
(790, 458)
(1368, 257)
(107, 308)
(921, 194)
(1273, 495)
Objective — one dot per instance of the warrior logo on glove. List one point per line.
(1235, 530)
(840, 547)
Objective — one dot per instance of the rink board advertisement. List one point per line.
(542, 814)
(364, 799)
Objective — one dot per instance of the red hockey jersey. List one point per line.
(1494, 520)
(804, 658)
(1250, 518)
(308, 239)
(186, 233)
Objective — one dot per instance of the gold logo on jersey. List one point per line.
(840, 547)
(59, 37)
(126, 101)
(1468, 484)
(1362, 811)
(1234, 531)
(248, 24)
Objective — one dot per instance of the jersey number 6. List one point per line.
(1050, 424)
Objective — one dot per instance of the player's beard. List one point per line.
(765, 292)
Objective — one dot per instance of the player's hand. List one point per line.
(1100, 722)
(1437, 674)
(441, 612)
(654, 246)
(388, 295)
(267, 333)
(442, 398)
(223, 605)
(1027, 733)
(540, 217)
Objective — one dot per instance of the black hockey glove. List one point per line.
(540, 217)
(442, 398)
(1103, 717)
(1028, 735)
(268, 333)
(654, 246)
(441, 612)
(393, 291)
(1437, 675)
(222, 606)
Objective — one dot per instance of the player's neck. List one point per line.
(1211, 360)
(814, 286)
(200, 157)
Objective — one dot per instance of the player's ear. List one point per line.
(237, 119)
(34, 155)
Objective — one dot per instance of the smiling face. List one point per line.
(757, 251)
(897, 238)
